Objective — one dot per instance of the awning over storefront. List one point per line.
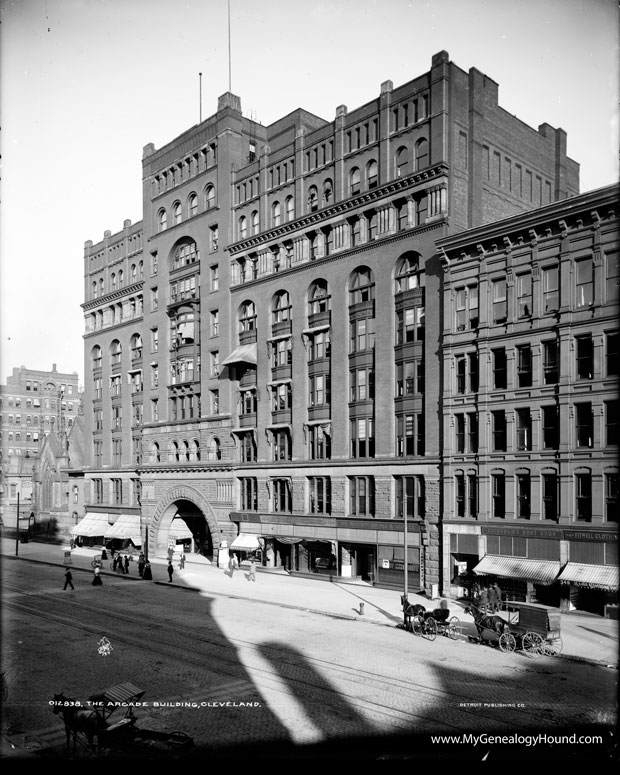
(537, 571)
(245, 542)
(93, 524)
(245, 353)
(585, 575)
(179, 530)
(126, 526)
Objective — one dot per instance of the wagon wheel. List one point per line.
(533, 644)
(418, 625)
(454, 628)
(507, 642)
(430, 628)
(552, 648)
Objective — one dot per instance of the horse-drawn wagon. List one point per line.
(430, 623)
(532, 628)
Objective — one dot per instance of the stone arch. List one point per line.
(164, 512)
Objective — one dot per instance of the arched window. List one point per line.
(185, 451)
(113, 281)
(155, 454)
(313, 198)
(141, 270)
(281, 307)
(194, 450)
(185, 325)
(243, 227)
(209, 197)
(290, 208)
(372, 174)
(101, 287)
(255, 222)
(214, 451)
(247, 317)
(162, 220)
(120, 278)
(362, 286)
(354, 181)
(173, 451)
(96, 357)
(275, 214)
(401, 162)
(192, 205)
(177, 213)
(421, 154)
(134, 273)
(328, 191)
(184, 254)
(318, 300)
(116, 352)
(136, 346)
(94, 289)
(409, 273)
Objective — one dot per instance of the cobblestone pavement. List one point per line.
(236, 674)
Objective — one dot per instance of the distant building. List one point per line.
(262, 351)
(530, 375)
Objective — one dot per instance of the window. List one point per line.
(276, 214)
(460, 432)
(255, 222)
(154, 410)
(215, 322)
(524, 295)
(281, 495)
(362, 437)
(281, 353)
(320, 495)
(176, 213)
(472, 431)
(214, 363)
(249, 493)
(409, 274)
(410, 497)
(466, 303)
(499, 301)
(612, 426)
(551, 373)
(524, 366)
(551, 289)
(281, 444)
(281, 308)
(362, 287)
(213, 239)
(214, 277)
(584, 283)
(209, 197)
(192, 203)
(550, 496)
(154, 298)
(362, 384)
(612, 491)
(409, 435)
(98, 485)
(612, 277)
(362, 495)
(319, 442)
(362, 335)
(459, 487)
(247, 317)
(402, 163)
(248, 401)
(290, 208)
(318, 346)
(585, 357)
(499, 431)
(467, 373)
(117, 491)
(354, 181)
(410, 325)
(524, 429)
(583, 496)
(421, 154)
(162, 221)
(248, 449)
(372, 174)
(319, 390)
(612, 354)
(282, 397)
(584, 425)
(409, 378)
(214, 401)
(243, 227)
(523, 496)
(551, 427)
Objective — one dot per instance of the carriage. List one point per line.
(532, 628)
(90, 724)
(436, 622)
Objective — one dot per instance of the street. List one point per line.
(237, 675)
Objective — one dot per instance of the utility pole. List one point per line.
(17, 529)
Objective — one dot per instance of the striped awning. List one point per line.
(126, 526)
(179, 530)
(537, 571)
(119, 693)
(93, 524)
(595, 576)
(246, 542)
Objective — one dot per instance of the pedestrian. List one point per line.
(498, 597)
(182, 561)
(231, 566)
(252, 573)
(235, 562)
(126, 563)
(484, 600)
(97, 577)
(141, 564)
(68, 579)
(170, 570)
(115, 563)
(148, 573)
(492, 599)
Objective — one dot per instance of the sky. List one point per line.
(86, 84)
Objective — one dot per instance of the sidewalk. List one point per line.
(585, 637)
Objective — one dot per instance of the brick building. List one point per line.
(530, 403)
(262, 360)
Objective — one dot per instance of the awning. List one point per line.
(245, 353)
(117, 694)
(246, 542)
(179, 530)
(597, 576)
(126, 526)
(538, 571)
(93, 524)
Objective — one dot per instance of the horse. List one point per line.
(79, 720)
(409, 611)
(484, 621)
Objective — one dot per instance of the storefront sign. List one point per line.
(589, 535)
(526, 532)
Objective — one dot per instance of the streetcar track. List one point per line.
(195, 656)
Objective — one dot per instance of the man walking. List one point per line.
(68, 579)
(170, 570)
(252, 574)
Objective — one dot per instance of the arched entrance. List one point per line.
(184, 512)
